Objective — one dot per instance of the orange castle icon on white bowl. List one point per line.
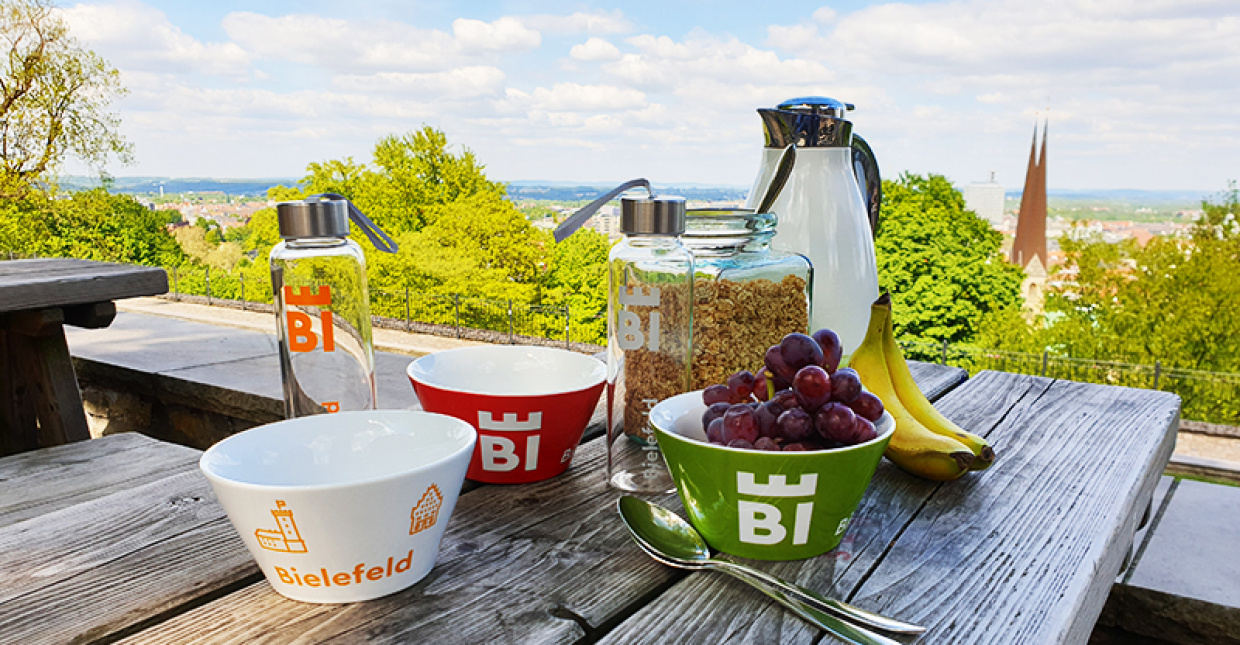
(286, 538)
(426, 512)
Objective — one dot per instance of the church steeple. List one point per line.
(1030, 239)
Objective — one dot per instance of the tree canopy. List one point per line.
(90, 224)
(941, 263)
(54, 96)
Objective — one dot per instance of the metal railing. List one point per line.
(1206, 396)
(488, 320)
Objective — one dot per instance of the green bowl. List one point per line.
(763, 505)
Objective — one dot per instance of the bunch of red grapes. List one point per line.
(799, 400)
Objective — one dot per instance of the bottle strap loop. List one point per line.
(373, 232)
(574, 221)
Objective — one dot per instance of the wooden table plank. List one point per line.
(545, 562)
(102, 566)
(935, 380)
(1060, 512)
(57, 282)
(39, 482)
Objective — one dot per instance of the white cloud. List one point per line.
(595, 49)
(133, 36)
(460, 83)
(662, 63)
(598, 22)
(575, 97)
(504, 35)
(358, 45)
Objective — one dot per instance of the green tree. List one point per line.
(941, 263)
(54, 96)
(417, 172)
(1171, 301)
(577, 279)
(95, 225)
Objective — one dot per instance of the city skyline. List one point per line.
(591, 93)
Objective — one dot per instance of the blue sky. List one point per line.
(1140, 95)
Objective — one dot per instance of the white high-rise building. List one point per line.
(985, 199)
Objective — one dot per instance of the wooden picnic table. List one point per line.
(40, 404)
(120, 539)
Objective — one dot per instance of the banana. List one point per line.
(913, 447)
(920, 407)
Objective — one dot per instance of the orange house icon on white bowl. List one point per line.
(426, 512)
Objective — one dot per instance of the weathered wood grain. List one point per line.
(1027, 551)
(56, 282)
(546, 562)
(101, 566)
(39, 482)
(935, 380)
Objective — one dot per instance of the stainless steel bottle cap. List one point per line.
(659, 215)
(326, 218)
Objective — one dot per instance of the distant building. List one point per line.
(1029, 247)
(985, 199)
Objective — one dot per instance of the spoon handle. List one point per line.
(843, 629)
(816, 600)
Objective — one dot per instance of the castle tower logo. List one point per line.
(286, 538)
(426, 512)
(509, 422)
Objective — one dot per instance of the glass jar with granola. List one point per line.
(746, 297)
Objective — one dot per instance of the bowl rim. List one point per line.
(467, 449)
(598, 373)
(886, 419)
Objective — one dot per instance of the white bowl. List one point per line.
(343, 507)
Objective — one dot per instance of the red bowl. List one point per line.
(530, 405)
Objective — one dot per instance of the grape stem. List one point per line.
(770, 384)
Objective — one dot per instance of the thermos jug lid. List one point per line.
(658, 215)
(808, 122)
(325, 218)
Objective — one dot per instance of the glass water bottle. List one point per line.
(318, 278)
(649, 328)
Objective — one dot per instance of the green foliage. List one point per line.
(54, 96)
(577, 279)
(416, 173)
(1171, 302)
(91, 224)
(940, 262)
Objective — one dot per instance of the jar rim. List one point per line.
(709, 224)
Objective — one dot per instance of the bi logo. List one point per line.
(762, 523)
(502, 453)
(301, 336)
(630, 335)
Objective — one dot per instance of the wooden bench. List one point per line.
(40, 404)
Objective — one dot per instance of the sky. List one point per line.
(1137, 94)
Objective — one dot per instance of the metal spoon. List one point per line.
(782, 170)
(673, 541)
(852, 633)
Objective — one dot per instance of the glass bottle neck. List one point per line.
(652, 241)
(314, 242)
